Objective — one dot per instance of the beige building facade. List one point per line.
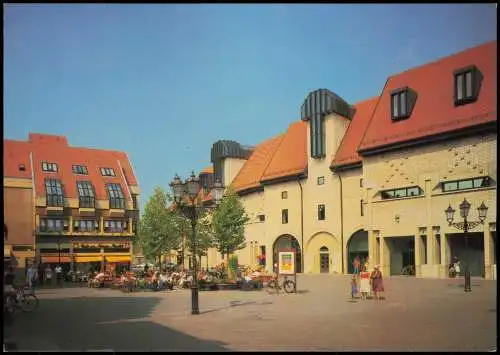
(374, 179)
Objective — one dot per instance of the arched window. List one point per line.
(323, 249)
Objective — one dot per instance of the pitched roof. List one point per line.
(55, 149)
(250, 174)
(434, 112)
(347, 152)
(290, 157)
(16, 154)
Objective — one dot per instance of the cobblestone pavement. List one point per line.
(417, 315)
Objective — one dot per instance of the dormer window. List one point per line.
(80, 169)
(86, 194)
(52, 167)
(467, 84)
(107, 172)
(54, 193)
(116, 197)
(402, 103)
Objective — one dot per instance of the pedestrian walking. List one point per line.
(377, 282)
(30, 277)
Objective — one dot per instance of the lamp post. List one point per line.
(465, 226)
(185, 200)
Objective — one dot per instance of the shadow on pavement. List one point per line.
(236, 304)
(105, 323)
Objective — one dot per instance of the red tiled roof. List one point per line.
(290, 157)
(54, 149)
(434, 110)
(15, 154)
(347, 152)
(250, 174)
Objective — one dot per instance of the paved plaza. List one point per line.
(417, 315)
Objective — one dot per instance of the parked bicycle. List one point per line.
(24, 301)
(286, 285)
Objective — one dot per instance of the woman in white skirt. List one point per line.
(365, 288)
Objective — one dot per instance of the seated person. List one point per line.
(248, 281)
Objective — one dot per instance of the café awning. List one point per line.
(55, 259)
(88, 259)
(118, 259)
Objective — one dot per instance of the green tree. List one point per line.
(204, 235)
(228, 222)
(158, 232)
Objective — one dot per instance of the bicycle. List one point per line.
(26, 302)
(287, 285)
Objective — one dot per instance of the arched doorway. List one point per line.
(324, 260)
(287, 242)
(357, 246)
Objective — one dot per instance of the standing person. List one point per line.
(356, 264)
(59, 274)
(377, 282)
(364, 283)
(354, 286)
(48, 275)
(40, 274)
(30, 277)
(367, 263)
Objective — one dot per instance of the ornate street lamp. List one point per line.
(185, 201)
(465, 226)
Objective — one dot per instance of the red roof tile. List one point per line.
(54, 149)
(15, 154)
(347, 152)
(434, 110)
(290, 157)
(250, 174)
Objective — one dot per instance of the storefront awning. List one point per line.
(55, 259)
(118, 259)
(88, 259)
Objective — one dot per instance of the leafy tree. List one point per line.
(228, 223)
(158, 232)
(204, 236)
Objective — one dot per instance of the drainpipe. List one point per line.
(341, 224)
(301, 224)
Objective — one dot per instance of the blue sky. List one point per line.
(164, 82)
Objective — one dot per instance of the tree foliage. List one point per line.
(158, 232)
(204, 235)
(228, 223)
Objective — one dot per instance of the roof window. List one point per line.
(402, 103)
(467, 85)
